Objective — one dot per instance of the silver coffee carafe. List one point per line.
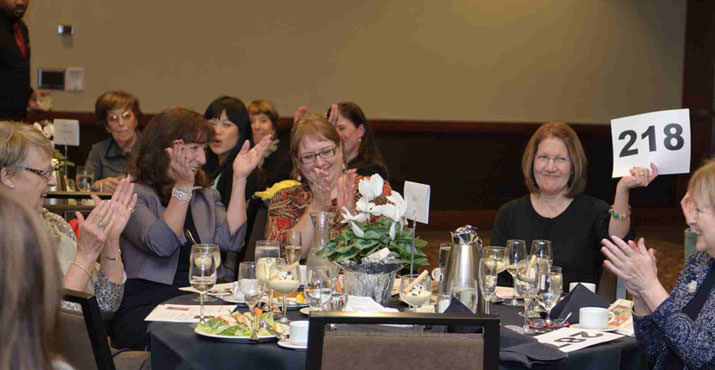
(463, 262)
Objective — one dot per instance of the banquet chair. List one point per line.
(83, 338)
(363, 345)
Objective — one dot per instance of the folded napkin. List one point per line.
(456, 306)
(362, 304)
(525, 350)
(579, 297)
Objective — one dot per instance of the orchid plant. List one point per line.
(378, 223)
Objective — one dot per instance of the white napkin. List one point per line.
(217, 290)
(363, 304)
(504, 292)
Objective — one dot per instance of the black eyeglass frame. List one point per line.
(326, 153)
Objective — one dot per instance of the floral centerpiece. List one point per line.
(377, 242)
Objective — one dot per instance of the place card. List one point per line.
(186, 313)
(571, 339)
(660, 137)
(417, 197)
(66, 132)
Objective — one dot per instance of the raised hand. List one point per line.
(632, 262)
(346, 190)
(322, 189)
(247, 159)
(179, 167)
(121, 207)
(639, 177)
(333, 116)
(300, 113)
(94, 230)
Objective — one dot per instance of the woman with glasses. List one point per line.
(117, 112)
(554, 169)
(26, 172)
(316, 151)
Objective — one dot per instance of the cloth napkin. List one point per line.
(579, 297)
(362, 304)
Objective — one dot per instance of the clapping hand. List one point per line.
(94, 230)
(247, 159)
(639, 177)
(121, 207)
(333, 116)
(299, 114)
(632, 262)
(346, 190)
(179, 167)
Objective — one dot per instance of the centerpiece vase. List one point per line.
(373, 279)
(321, 236)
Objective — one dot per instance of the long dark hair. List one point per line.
(368, 152)
(151, 163)
(236, 113)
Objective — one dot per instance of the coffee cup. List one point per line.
(299, 333)
(594, 317)
(589, 286)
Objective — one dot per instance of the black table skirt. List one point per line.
(176, 346)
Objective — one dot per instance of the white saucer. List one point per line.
(305, 311)
(289, 345)
(607, 328)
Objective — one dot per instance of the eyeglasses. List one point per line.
(113, 118)
(547, 159)
(312, 157)
(42, 173)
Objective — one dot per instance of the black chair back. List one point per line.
(83, 340)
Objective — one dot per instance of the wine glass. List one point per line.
(202, 271)
(550, 289)
(293, 247)
(317, 289)
(285, 278)
(415, 292)
(251, 290)
(488, 271)
(83, 179)
(515, 252)
(217, 257)
(541, 249)
(498, 253)
(267, 253)
(526, 286)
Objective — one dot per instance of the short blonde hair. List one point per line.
(702, 184)
(577, 157)
(16, 139)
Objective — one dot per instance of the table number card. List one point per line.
(417, 197)
(66, 132)
(570, 339)
(660, 137)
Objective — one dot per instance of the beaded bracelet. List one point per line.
(620, 216)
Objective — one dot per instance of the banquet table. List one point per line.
(176, 346)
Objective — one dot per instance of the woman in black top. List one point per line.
(554, 168)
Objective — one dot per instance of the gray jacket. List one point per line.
(150, 249)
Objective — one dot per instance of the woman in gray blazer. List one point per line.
(173, 196)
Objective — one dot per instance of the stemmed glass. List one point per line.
(415, 294)
(202, 270)
(541, 250)
(488, 271)
(293, 247)
(217, 257)
(498, 253)
(550, 289)
(317, 289)
(285, 278)
(515, 253)
(526, 285)
(84, 179)
(267, 253)
(248, 285)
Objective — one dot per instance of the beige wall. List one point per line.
(510, 60)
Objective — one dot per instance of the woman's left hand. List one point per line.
(346, 190)
(639, 177)
(247, 159)
(632, 262)
(121, 207)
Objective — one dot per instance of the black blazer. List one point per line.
(14, 71)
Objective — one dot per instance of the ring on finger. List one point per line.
(100, 225)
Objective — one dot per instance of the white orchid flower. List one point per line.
(400, 206)
(356, 230)
(392, 231)
(364, 205)
(49, 131)
(389, 210)
(38, 126)
(371, 188)
(348, 217)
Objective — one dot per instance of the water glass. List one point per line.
(202, 271)
(251, 290)
(317, 290)
(466, 292)
(488, 271)
(526, 285)
(550, 288)
(515, 253)
(84, 179)
(266, 254)
(415, 292)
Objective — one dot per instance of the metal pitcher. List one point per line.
(463, 261)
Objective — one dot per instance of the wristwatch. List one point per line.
(181, 194)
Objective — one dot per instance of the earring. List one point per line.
(299, 178)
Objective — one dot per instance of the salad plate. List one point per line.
(233, 338)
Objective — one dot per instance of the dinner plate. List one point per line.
(305, 310)
(231, 338)
(279, 301)
(608, 328)
(289, 345)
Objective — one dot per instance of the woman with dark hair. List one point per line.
(360, 149)
(118, 112)
(276, 164)
(554, 168)
(30, 289)
(174, 196)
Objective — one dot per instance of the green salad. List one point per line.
(235, 325)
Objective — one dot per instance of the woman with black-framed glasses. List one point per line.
(26, 171)
(316, 152)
